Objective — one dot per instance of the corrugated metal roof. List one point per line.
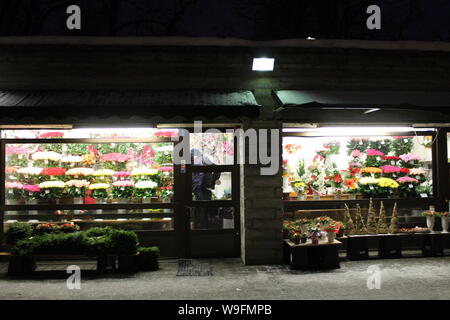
(73, 106)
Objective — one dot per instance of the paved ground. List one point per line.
(415, 278)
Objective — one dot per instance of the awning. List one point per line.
(394, 107)
(32, 107)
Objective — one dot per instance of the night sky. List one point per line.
(246, 19)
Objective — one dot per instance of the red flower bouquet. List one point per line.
(51, 135)
(53, 172)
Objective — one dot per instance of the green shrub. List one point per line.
(147, 259)
(53, 243)
(123, 242)
(18, 231)
(98, 245)
(98, 232)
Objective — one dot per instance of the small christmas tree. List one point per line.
(372, 224)
(360, 226)
(348, 221)
(394, 228)
(382, 226)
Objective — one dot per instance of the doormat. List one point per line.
(194, 268)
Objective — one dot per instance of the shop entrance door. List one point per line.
(211, 220)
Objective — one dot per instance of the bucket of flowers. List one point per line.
(77, 190)
(351, 187)
(444, 221)
(99, 191)
(29, 175)
(13, 193)
(122, 191)
(165, 193)
(57, 174)
(337, 184)
(46, 159)
(315, 234)
(145, 190)
(430, 216)
(52, 190)
(408, 187)
(122, 175)
(410, 160)
(79, 173)
(390, 171)
(369, 186)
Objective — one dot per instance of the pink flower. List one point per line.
(13, 185)
(31, 188)
(165, 169)
(373, 152)
(390, 169)
(122, 173)
(115, 157)
(123, 184)
(356, 154)
(407, 179)
(17, 150)
(409, 157)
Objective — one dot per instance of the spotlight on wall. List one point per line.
(372, 110)
(263, 64)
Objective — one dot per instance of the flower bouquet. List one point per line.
(391, 171)
(145, 190)
(53, 173)
(351, 187)
(51, 135)
(52, 190)
(301, 188)
(331, 232)
(387, 187)
(122, 175)
(99, 191)
(371, 172)
(419, 174)
(31, 192)
(77, 188)
(391, 160)
(408, 187)
(77, 173)
(46, 158)
(17, 156)
(115, 161)
(337, 183)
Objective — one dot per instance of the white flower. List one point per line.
(51, 184)
(79, 172)
(146, 185)
(50, 155)
(77, 183)
(97, 186)
(30, 171)
(72, 159)
(103, 172)
(144, 172)
(368, 180)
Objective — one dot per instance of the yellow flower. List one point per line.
(388, 183)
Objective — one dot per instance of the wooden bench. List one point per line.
(25, 265)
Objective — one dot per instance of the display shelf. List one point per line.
(332, 204)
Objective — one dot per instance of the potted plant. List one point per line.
(295, 238)
(331, 232)
(13, 193)
(303, 237)
(301, 188)
(287, 227)
(122, 191)
(351, 187)
(430, 216)
(444, 221)
(315, 234)
(147, 259)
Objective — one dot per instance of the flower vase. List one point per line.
(316, 196)
(301, 197)
(331, 236)
(315, 240)
(352, 196)
(32, 202)
(430, 223)
(337, 196)
(444, 222)
(78, 201)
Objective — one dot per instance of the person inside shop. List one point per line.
(203, 184)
